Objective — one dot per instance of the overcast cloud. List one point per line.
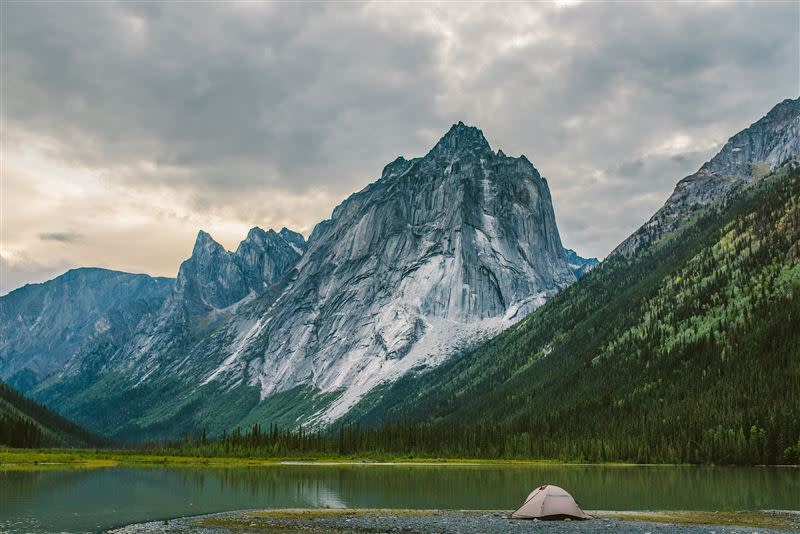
(127, 127)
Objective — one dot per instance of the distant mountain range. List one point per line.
(439, 253)
(43, 327)
(683, 339)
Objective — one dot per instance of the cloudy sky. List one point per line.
(127, 127)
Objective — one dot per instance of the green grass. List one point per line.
(14, 459)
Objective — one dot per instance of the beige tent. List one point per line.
(549, 502)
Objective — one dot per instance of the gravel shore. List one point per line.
(451, 522)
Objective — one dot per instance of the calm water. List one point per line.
(93, 500)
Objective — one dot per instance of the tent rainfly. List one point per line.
(549, 502)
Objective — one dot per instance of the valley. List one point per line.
(457, 267)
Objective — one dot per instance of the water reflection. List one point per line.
(88, 500)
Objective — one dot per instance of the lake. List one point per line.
(91, 500)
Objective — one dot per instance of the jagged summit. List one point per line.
(460, 140)
(205, 244)
(215, 278)
(786, 108)
(295, 239)
(258, 232)
(770, 140)
(462, 150)
(257, 236)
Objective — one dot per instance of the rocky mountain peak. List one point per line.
(204, 244)
(258, 237)
(768, 142)
(440, 251)
(787, 109)
(294, 239)
(214, 278)
(461, 140)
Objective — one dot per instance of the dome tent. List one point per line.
(549, 502)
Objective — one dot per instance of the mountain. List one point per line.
(747, 156)
(213, 278)
(406, 272)
(43, 325)
(580, 266)
(212, 288)
(440, 252)
(24, 423)
(684, 350)
(57, 328)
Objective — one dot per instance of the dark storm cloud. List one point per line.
(238, 96)
(61, 237)
(614, 104)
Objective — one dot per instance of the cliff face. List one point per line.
(214, 278)
(437, 254)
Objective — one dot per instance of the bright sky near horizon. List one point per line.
(127, 127)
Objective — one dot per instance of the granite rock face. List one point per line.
(437, 254)
(747, 156)
(214, 278)
(439, 251)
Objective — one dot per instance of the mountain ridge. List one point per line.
(43, 325)
(440, 252)
(746, 156)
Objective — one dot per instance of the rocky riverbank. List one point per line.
(463, 522)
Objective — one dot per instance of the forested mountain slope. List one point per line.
(686, 351)
(24, 423)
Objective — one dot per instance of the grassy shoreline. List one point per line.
(30, 458)
(15, 459)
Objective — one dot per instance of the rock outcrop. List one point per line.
(214, 278)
